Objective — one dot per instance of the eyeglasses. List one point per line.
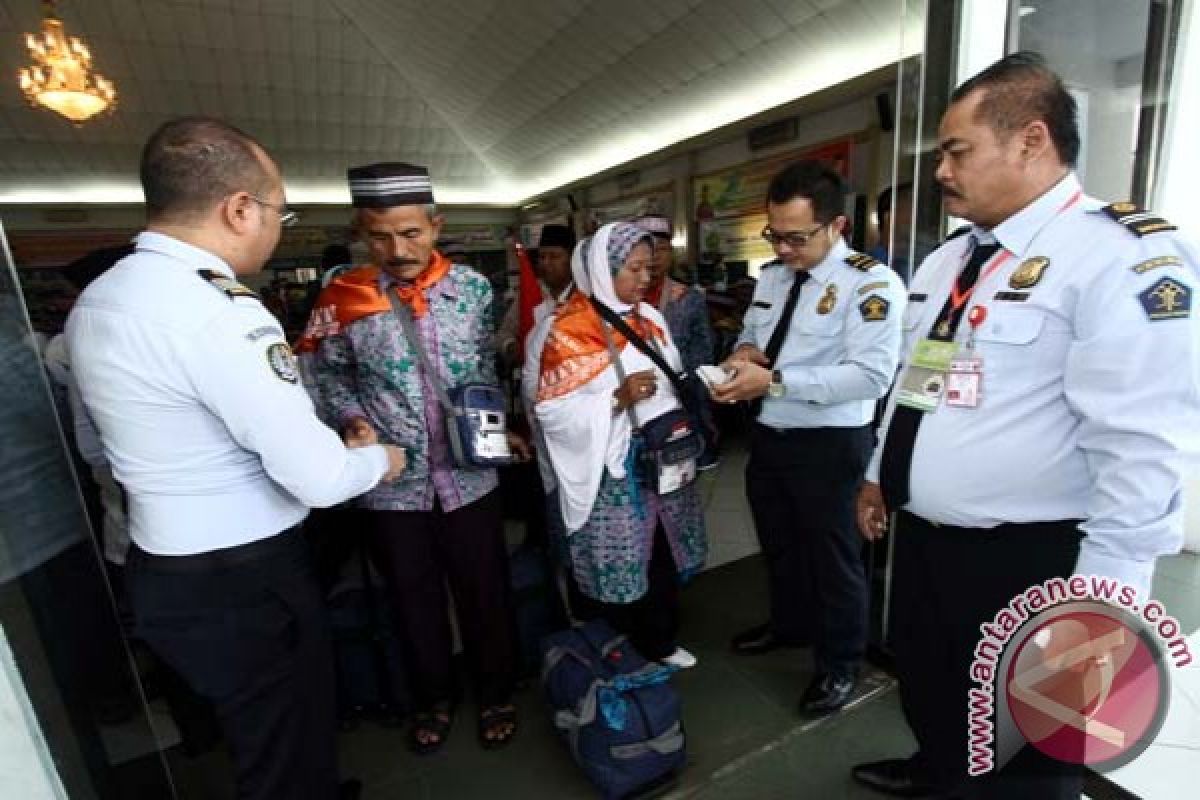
(286, 218)
(793, 239)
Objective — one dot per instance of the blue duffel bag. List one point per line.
(616, 711)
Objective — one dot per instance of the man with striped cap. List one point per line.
(440, 524)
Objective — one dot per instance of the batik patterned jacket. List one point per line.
(368, 369)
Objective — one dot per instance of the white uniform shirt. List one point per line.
(1090, 406)
(843, 344)
(197, 401)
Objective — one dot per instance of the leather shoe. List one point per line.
(759, 639)
(894, 776)
(828, 692)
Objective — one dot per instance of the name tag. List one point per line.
(924, 380)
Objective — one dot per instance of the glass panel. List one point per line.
(70, 707)
(1099, 47)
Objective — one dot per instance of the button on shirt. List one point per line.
(1089, 405)
(199, 408)
(840, 354)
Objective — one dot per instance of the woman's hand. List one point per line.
(637, 387)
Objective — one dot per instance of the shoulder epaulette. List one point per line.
(1136, 219)
(861, 261)
(772, 263)
(227, 285)
(961, 230)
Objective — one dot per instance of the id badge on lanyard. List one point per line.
(964, 379)
(940, 369)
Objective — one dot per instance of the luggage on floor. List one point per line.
(616, 712)
(367, 653)
(538, 606)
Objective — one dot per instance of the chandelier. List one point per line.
(61, 77)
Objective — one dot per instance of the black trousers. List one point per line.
(801, 485)
(652, 621)
(418, 553)
(247, 629)
(946, 581)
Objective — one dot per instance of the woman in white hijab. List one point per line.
(629, 546)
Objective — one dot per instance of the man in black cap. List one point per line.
(440, 524)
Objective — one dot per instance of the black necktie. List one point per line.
(779, 334)
(896, 460)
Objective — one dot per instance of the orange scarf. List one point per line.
(413, 294)
(355, 294)
(576, 351)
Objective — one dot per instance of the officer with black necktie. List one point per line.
(1042, 422)
(819, 348)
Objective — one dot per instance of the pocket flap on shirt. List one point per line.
(1012, 325)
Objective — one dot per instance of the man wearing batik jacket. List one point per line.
(439, 524)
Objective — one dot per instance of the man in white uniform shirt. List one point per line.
(202, 417)
(1055, 444)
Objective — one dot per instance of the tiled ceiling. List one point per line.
(502, 99)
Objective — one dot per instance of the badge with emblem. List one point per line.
(1029, 273)
(828, 300)
(283, 362)
(1167, 299)
(874, 308)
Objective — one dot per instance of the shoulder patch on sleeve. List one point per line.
(283, 362)
(1136, 219)
(861, 261)
(227, 285)
(1167, 299)
(874, 308)
(961, 230)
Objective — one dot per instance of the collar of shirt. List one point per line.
(1017, 232)
(822, 273)
(445, 286)
(187, 255)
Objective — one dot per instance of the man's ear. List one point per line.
(236, 212)
(437, 220)
(1035, 140)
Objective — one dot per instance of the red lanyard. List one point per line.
(959, 299)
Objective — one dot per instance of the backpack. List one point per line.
(615, 711)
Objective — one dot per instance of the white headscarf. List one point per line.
(582, 435)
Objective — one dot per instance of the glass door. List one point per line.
(73, 718)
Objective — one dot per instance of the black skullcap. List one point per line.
(389, 185)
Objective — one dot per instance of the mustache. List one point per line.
(946, 191)
(402, 262)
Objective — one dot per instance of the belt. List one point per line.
(288, 542)
(827, 432)
(1048, 526)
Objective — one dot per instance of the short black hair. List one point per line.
(190, 164)
(1019, 89)
(816, 182)
(883, 203)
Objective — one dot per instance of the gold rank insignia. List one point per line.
(874, 308)
(1136, 219)
(828, 300)
(227, 285)
(1029, 273)
(1167, 299)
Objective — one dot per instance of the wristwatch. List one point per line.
(776, 389)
